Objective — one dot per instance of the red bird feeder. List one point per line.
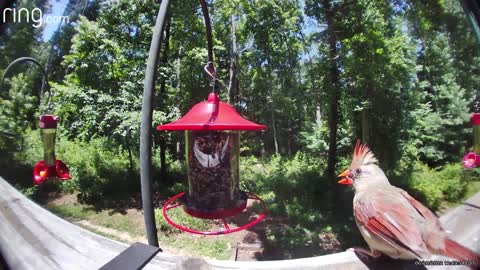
(212, 144)
(49, 167)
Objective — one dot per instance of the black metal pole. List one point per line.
(208, 28)
(146, 126)
(472, 11)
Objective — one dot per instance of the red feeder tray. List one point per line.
(214, 215)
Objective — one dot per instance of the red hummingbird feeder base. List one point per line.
(214, 214)
(43, 172)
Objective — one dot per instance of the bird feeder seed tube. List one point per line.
(213, 173)
(475, 121)
(48, 133)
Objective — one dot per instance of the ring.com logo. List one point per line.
(35, 16)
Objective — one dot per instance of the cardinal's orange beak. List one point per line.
(346, 180)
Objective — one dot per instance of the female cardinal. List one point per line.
(391, 221)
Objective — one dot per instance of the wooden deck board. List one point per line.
(33, 238)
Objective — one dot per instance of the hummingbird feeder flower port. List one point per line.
(49, 167)
(212, 139)
(471, 160)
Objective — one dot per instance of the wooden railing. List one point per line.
(33, 238)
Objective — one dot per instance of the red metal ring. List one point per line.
(227, 230)
(216, 214)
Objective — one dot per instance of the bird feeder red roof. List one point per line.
(212, 114)
(48, 121)
(475, 119)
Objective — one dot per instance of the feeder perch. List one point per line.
(49, 167)
(212, 130)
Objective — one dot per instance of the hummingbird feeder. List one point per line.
(49, 167)
(212, 130)
(472, 159)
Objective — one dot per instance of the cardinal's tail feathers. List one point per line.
(462, 254)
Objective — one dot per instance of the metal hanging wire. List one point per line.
(209, 68)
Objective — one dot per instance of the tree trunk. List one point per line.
(274, 130)
(366, 114)
(333, 79)
(318, 115)
(162, 143)
(232, 91)
(272, 110)
(289, 146)
(179, 84)
(365, 126)
(130, 155)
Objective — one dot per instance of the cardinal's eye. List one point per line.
(358, 171)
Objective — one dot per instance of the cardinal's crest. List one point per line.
(362, 155)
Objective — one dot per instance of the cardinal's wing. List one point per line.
(424, 211)
(386, 214)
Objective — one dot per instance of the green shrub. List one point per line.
(473, 175)
(453, 184)
(30, 148)
(302, 172)
(97, 168)
(432, 186)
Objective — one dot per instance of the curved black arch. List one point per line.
(35, 61)
(146, 126)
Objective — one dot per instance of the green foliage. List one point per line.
(283, 176)
(17, 111)
(316, 139)
(434, 186)
(30, 191)
(98, 168)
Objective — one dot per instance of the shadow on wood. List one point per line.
(385, 262)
